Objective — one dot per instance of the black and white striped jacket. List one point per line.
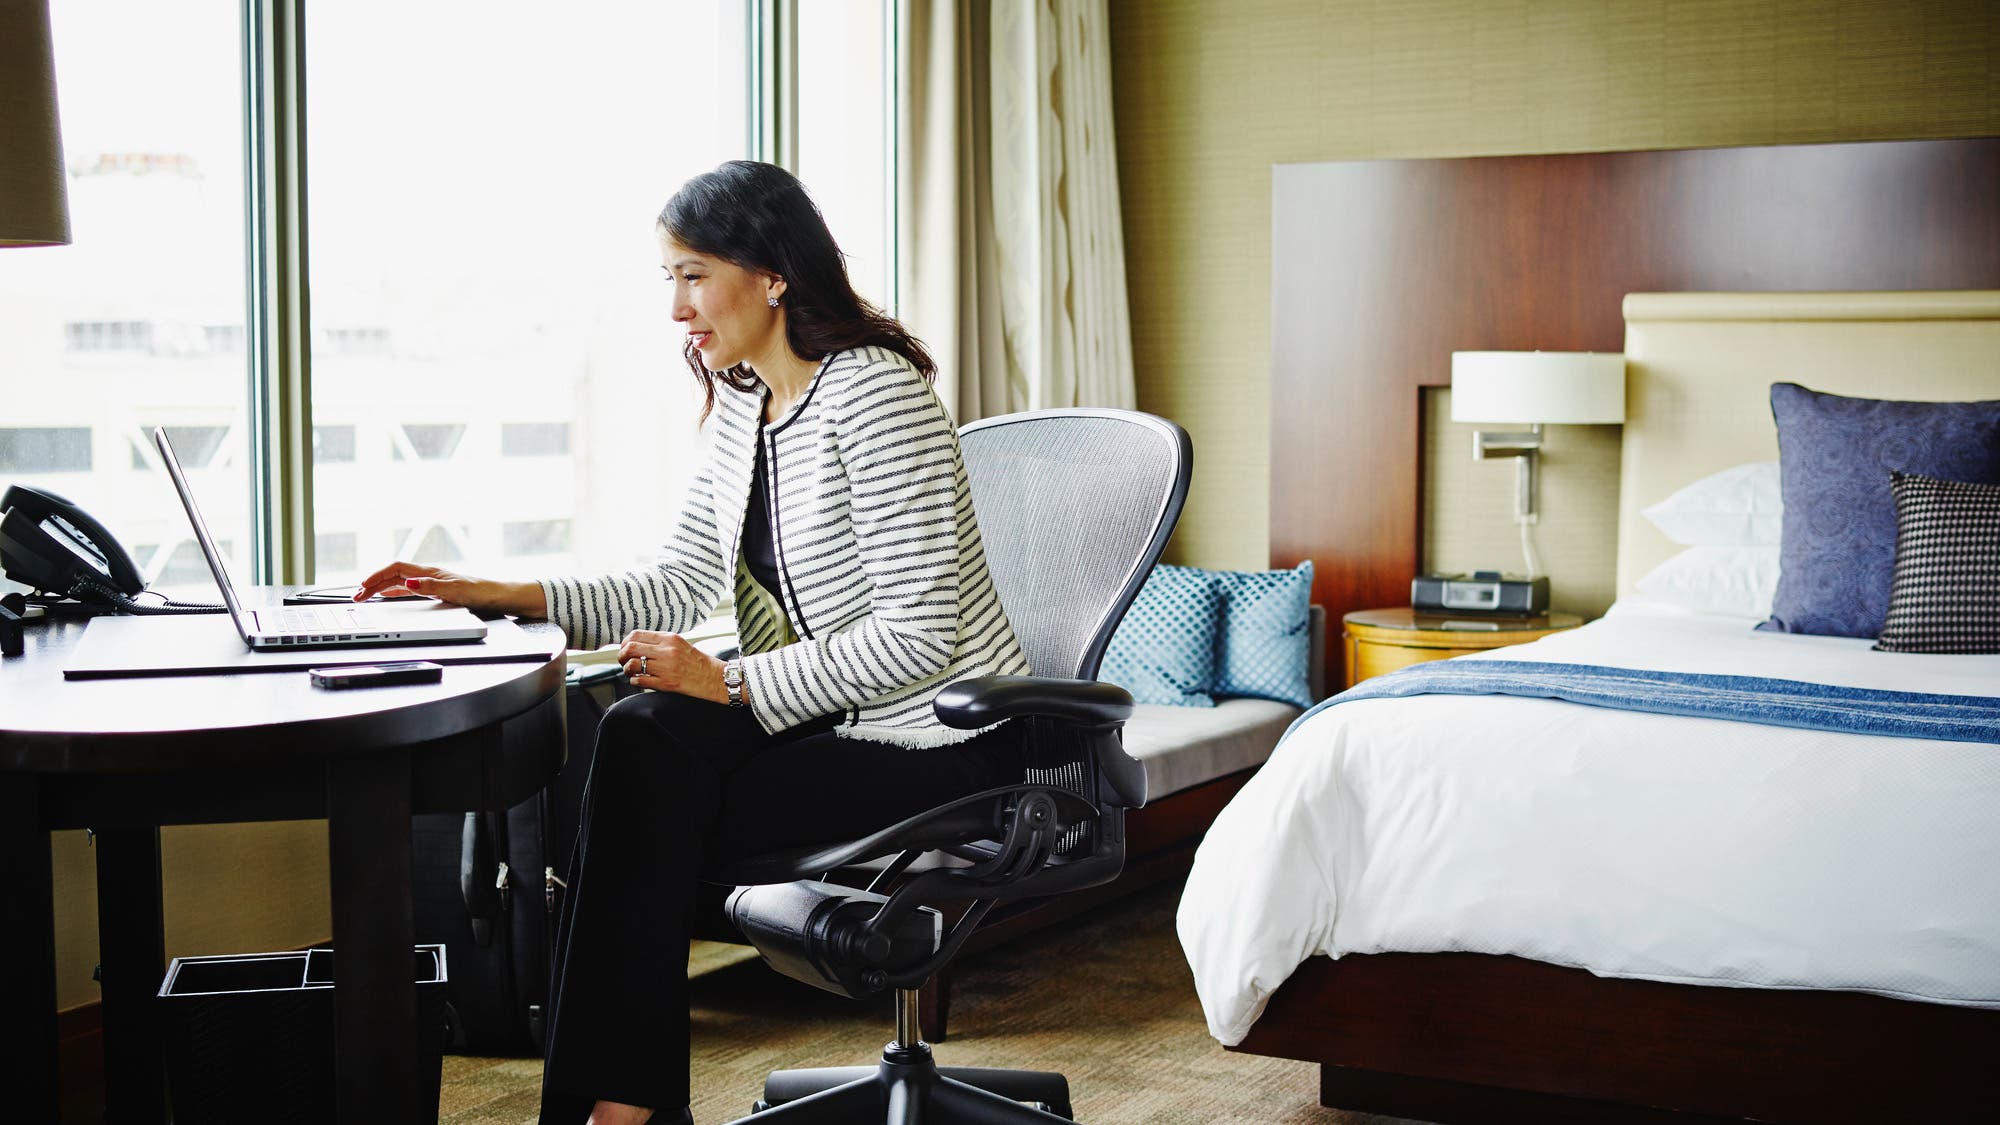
(883, 575)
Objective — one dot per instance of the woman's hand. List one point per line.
(402, 579)
(665, 662)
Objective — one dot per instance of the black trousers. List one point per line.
(679, 785)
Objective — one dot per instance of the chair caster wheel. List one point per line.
(759, 1106)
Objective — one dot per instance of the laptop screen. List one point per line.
(201, 532)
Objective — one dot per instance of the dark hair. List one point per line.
(758, 216)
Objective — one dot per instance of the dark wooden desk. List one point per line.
(123, 757)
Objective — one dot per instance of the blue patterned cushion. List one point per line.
(1835, 455)
(1265, 650)
(1164, 650)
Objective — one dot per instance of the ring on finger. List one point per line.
(642, 666)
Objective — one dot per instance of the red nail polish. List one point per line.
(410, 583)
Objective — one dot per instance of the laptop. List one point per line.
(319, 626)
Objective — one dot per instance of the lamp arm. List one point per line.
(1512, 443)
(1525, 445)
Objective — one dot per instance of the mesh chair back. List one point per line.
(1074, 506)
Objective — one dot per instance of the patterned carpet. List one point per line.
(1110, 1004)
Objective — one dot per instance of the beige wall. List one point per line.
(1210, 95)
(227, 889)
(1469, 507)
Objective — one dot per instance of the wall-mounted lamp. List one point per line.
(1533, 389)
(34, 198)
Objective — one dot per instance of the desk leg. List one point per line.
(27, 948)
(375, 991)
(131, 944)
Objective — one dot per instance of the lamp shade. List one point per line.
(1527, 388)
(34, 203)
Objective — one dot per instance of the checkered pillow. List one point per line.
(1265, 650)
(1164, 650)
(1944, 594)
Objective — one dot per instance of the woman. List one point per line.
(834, 503)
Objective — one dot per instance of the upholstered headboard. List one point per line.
(1699, 367)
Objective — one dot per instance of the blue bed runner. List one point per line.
(1748, 699)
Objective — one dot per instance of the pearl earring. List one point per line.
(773, 302)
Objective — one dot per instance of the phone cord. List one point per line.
(87, 589)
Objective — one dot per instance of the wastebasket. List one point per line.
(250, 1036)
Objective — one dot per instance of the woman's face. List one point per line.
(725, 307)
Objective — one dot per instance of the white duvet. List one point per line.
(1631, 845)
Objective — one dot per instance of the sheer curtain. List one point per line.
(1011, 253)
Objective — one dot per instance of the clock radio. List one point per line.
(1483, 591)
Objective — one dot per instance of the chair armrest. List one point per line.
(985, 700)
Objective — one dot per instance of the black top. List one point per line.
(760, 552)
(274, 720)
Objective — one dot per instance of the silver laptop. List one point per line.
(319, 626)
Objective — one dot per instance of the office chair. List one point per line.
(1074, 507)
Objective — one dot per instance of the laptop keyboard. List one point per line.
(317, 619)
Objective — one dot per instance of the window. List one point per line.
(434, 442)
(339, 551)
(435, 544)
(355, 341)
(182, 563)
(333, 445)
(45, 449)
(535, 537)
(196, 447)
(490, 340)
(223, 337)
(108, 336)
(482, 249)
(116, 332)
(534, 439)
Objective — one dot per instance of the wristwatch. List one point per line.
(732, 678)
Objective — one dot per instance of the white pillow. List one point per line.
(1737, 507)
(1732, 581)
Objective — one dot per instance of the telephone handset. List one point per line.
(49, 544)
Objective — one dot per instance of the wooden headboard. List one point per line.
(1381, 269)
(1699, 368)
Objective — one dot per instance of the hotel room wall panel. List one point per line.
(1210, 96)
(1381, 269)
(74, 875)
(1467, 507)
(228, 888)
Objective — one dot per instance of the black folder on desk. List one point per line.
(207, 644)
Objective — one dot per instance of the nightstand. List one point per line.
(1383, 640)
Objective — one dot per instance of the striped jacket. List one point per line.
(885, 595)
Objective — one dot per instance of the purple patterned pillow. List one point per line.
(1835, 455)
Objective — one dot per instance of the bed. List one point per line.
(1543, 911)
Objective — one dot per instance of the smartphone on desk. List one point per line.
(376, 675)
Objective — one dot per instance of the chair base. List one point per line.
(908, 1087)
